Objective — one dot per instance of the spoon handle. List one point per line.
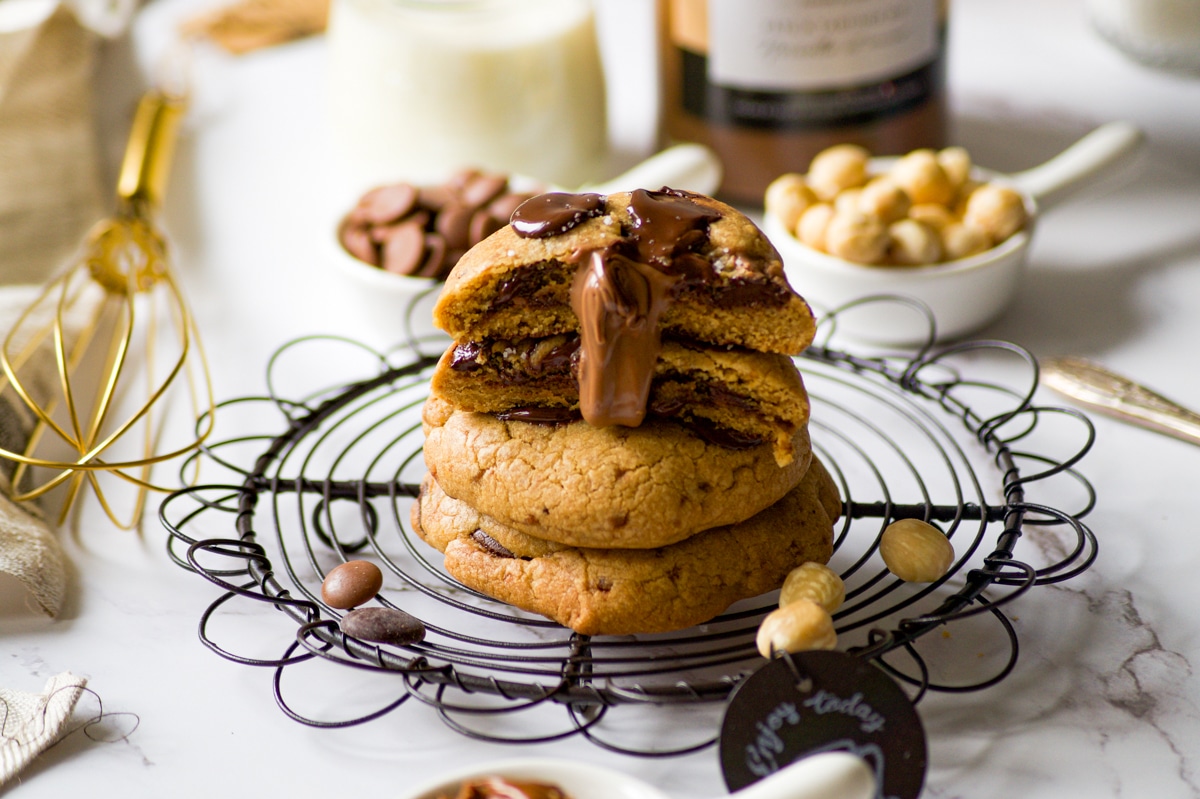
(829, 775)
(1107, 392)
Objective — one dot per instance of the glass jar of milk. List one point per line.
(422, 88)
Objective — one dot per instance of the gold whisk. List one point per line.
(123, 341)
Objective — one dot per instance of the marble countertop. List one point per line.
(1104, 700)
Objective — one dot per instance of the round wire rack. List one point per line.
(324, 466)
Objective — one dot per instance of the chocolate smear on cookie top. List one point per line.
(555, 213)
(621, 290)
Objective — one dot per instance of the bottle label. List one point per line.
(813, 63)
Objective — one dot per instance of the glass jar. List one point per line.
(419, 89)
(1163, 34)
(769, 83)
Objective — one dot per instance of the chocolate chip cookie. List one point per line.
(620, 591)
(577, 484)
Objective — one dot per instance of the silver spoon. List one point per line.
(1102, 390)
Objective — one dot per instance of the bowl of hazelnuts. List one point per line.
(929, 227)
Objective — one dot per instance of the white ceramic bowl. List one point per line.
(890, 305)
(827, 775)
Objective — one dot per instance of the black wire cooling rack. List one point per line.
(325, 470)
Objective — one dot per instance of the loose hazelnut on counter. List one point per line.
(920, 174)
(814, 581)
(883, 197)
(787, 198)
(842, 166)
(956, 163)
(813, 224)
(796, 627)
(913, 243)
(916, 551)
(960, 241)
(856, 237)
(996, 210)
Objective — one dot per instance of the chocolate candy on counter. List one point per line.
(350, 584)
(422, 231)
(383, 626)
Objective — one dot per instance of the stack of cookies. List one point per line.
(617, 439)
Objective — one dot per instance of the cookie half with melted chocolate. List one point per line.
(725, 279)
(734, 397)
(619, 591)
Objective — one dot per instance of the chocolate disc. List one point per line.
(822, 701)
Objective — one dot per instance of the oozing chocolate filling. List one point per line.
(621, 290)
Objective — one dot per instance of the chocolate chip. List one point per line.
(482, 189)
(388, 203)
(454, 224)
(482, 225)
(434, 197)
(434, 265)
(357, 241)
(383, 626)
(350, 584)
(404, 250)
(503, 207)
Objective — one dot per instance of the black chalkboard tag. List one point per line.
(821, 701)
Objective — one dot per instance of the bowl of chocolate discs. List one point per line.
(397, 244)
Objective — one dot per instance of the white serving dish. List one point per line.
(962, 296)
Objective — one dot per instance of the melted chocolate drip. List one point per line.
(553, 214)
(622, 290)
(667, 223)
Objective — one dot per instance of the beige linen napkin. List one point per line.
(29, 549)
(31, 722)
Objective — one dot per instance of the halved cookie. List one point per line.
(732, 396)
(728, 284)
(619, 591)
(627, 487)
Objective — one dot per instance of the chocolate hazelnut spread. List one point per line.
(621, 291)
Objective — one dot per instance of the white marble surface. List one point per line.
(1104, 701)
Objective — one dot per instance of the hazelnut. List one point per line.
(960, 241)
(836, 168)
(996, 210)
(787, 197)
(796, 627)
(814, 581)
(932, 214)
(913, 243)
(916, 551)
(920, 174)
(813, 224)
(856, 237)
(847, 200)
(956, 163)
(883, 197)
